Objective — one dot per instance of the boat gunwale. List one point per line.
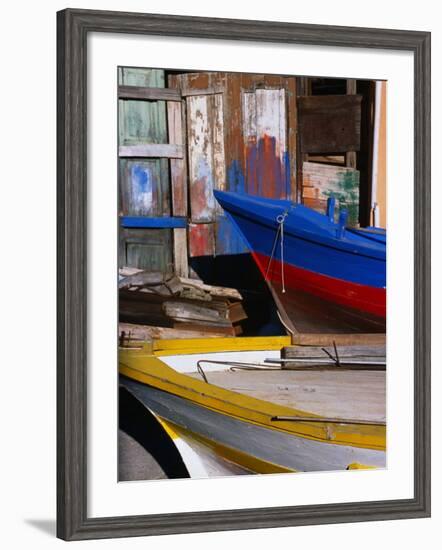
(193, 346)
(259, 411)
(374, 251)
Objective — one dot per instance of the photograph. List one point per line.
(215, 359)
(252, 233)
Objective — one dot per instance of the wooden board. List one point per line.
(208, 327)
(272, 91)
(144, 184)
(193, 312)
(143, 333)
(267, 171)
(321, 181)
(155, 150)
(178, 174)
(201, 239)
(202, 91)
(176, 128)
(180, 252)
(144, 93)
(355, 351)
(350, 156)
(206, 154)
(141, 122)
(334, 394)
(131, 276)
(146, 248)
(342, 339)
(144, 187)
(143, 307)
(329, 124)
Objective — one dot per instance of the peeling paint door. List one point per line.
(267, 169)
(207, 163)
(206, 154)
(266, 162)
(144, 183)
(241, 131)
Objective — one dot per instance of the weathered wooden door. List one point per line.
(267, 165)
(207, 168)
(151, 165)
(240, 137)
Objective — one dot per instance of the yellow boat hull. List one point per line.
(240, 428)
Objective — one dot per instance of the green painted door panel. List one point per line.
(133, 76)
(149, 249)
(142, 121)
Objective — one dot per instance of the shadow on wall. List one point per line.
(240, 271)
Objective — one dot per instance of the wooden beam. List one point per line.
(145, 222)
(358, 352)
(301, 157)
(292, 118)
(349, 339)
(203, 91)
(130, 334)
(350, 156)
(180, 252)
(150, 94)
(178, 173)
(152, 150)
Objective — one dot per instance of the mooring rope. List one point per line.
(280, 231)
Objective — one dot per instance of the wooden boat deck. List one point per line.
(347, 394)
(237, 414)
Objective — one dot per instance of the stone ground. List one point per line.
(135, 463)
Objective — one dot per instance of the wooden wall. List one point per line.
(152, 173)
(241, 137)
(144, 184)
(381, 195)
(258, 134)
(329, 138)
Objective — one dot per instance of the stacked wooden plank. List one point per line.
(363, 357)
(173, 306)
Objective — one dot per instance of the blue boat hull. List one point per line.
(318, 256)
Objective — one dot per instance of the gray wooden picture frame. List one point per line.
(73, 27)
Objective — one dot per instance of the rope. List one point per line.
(280, 220)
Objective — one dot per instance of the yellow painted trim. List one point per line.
(249, 462)
(167, 426)
(148, 369)
(357, 466)
(211, 345)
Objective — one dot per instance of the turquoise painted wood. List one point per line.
(142, 121)
(144, 184)
(149, 249)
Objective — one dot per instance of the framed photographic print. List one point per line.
(240, 345)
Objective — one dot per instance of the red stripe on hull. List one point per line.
(361, 297)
